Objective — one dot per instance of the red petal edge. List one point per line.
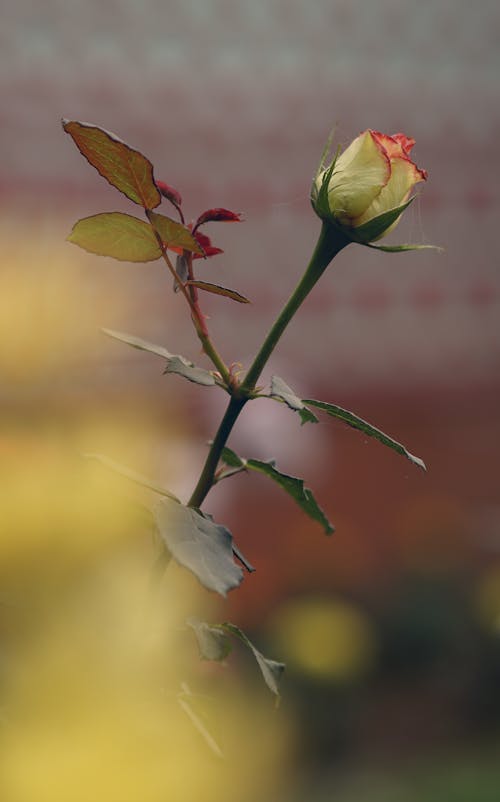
(398, 146)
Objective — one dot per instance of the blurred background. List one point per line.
(390, 629)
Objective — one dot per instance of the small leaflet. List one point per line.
(216, 289)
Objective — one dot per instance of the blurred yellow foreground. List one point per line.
(102, 695)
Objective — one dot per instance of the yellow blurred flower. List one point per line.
(324, 638)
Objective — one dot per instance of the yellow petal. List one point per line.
(360, 174)
(404, 175)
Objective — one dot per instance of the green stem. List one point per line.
(212, 353)
(330, 242)
(206, 479)
(196, 314)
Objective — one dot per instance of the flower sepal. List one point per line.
(378, 226)
(319, 197)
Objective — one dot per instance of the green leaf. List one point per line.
(363, 426)
(137, 342)
(405, 247)
(199, 544)
(128, 473)
(118, 235)
(174, 234)
(281, 390)
(175, 363)
(230, 457)
(377, 225)
(271, 669)
(306, 416)
(181, 366)
(213, 642)
(291, 484)
(216, 289)
(124, 167)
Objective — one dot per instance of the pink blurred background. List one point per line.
(232, 102)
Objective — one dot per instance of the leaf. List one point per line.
(231, 458)
(237, 553)
(182, 270)
(281, 390)
(216, 289)
(170, 193)
(306, 416)
(181, 366)
(174, 234)
(199, 544)
(405, 247)
(137, 342)
(271, 669)
(118, 235)
(128, 473)
(291, 484)
(367, 428)
(220, 215)
(213, 642)
(175, 363)
(124, 167)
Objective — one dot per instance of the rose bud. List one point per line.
(367, 187)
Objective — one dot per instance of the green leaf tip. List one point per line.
(363, 426)
(295, 487)
(280, 391)
(271, 669)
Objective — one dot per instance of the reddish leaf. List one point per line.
(206, 244)
(175, 236)
(118, 235)
(219, 215)
(169, 193)
(206, 247)
(124, 168)
(218, 290)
